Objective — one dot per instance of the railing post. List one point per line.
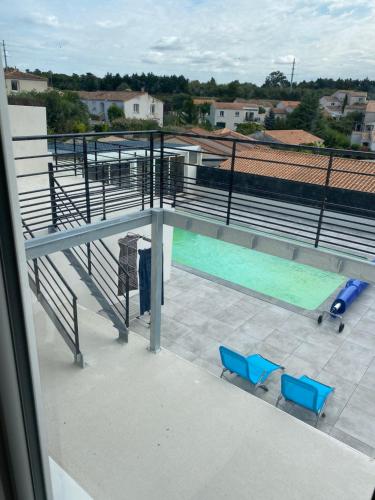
(324, 200)
(36, 274)
(87, 193)
(55, 147)
(161, 177)
(127, 312)
(52, 194)
(78, 355)
(231, 179)
(143, 183)
(151, 170)
(75, 156)
(103, 194)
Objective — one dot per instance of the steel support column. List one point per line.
(156, 278)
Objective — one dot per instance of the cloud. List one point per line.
(108, 24)
(199, 39)
(168, 43)
(285, 59)
(44, 20)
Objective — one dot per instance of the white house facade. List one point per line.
(364, 134)
(231, 114)
(139, 105)
(18, 81)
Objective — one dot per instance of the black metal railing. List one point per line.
(96, 257)
(322, 197)
(49, 284)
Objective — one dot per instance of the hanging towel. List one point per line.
(128, 264)
(144, 272)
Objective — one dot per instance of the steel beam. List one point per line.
(63, 240)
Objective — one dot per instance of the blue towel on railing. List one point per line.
(144, 272)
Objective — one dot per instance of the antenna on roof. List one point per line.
(292, 75)
(5, 55)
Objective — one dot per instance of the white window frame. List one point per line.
(136, 108)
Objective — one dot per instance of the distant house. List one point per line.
(18, 81)
(343, 102)
(198, 101)
(231, 114)
(288, 106)
(139, 105)
(364, 133)
(295, 137)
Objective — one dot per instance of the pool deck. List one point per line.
(200, 314)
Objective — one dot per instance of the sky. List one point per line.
(226, 39)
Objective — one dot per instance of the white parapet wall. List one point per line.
(29, 120)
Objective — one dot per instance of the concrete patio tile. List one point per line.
(172, 329)
(297, 367)
(217, 330)
(357, 423)
(195, 344)
(317, 354)
(363, 338)
(251, 304)
(363, 398)
(365, 324)
(350, 361)
(181, 351)
(300, 326)
(242, 341)
(352, 442)
(343, 388)
(255, 329)
(368, 379)
(286, 341)
(272, 353)
(272, 315)
(233, 316)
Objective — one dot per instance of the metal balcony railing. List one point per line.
(321, 197)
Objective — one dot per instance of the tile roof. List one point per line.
(14, 74)
(297, 136)
(216, 146)
(115, 95)
(229, 105)
(289, 165)
(290, 104)
(370, 108)
(203, 100)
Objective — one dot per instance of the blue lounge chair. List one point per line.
(254, 368)
(305, 392)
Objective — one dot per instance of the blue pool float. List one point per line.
(347, 295)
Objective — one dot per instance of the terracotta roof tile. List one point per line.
(297, 136)
(11, 74)
(115, 95)
(289, 165)
(370, 108)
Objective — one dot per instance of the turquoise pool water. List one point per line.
(297, 284)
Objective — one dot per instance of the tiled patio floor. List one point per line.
(200, 314)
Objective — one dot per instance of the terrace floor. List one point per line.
(200, 314)
(136, 425)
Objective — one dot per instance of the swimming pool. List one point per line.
(297, 284)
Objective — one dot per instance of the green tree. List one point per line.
(276, 79)
(269, 121)
(306, 115)
(249, 128)
(65, 111)
(114, 112)
(133, 124)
